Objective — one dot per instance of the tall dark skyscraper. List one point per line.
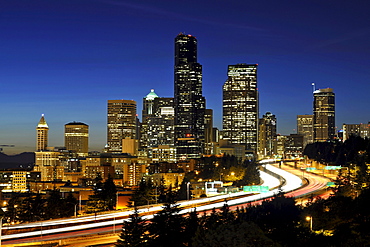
(267, 135)
(240, 106)
(324, 115)
(189, 102)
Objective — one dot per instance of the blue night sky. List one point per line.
(65, 59)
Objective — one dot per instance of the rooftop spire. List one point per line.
(152, 95)
(42, 122)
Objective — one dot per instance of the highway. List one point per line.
(112, 222)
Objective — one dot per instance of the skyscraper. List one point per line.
(76, 138)
(121, 123)
(240, 106)
(267, 135)
(157, 122)
(208, 132)
(42, 130)
(189, 102)
(362, 130)
(324, 115)
(305, 128)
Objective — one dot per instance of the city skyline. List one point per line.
(65, 60)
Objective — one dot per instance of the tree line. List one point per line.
(280, 221)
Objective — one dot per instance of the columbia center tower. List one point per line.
(189, 102)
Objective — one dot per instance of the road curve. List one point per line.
(110, 222)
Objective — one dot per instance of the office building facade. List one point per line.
(324, 115)
(267, 135)
(305, 128)
(157, 122)
(76, 138)
(362, 130)
(240, 106)
(121, 123)
(189, 103)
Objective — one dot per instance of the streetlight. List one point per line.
(1, 222)
(188, 194)
(309, 218)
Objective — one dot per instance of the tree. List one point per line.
(246, 234)
(251, 175)
(134, 232)
(32, 208)
(70, 205)
(191, 224)
(55, 205)
(166, 228)
(144, 194)
(12, 212)
(184, 193)
(97, 201)
(109, 193)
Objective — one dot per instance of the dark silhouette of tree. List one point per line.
(12, 213)
(191, 224)
(55, 205)
(71, 205)
(32, 208)
(183, 193)
(166, 228)
(245, 234)
(144, 194)
(134, 232)
(109, 193)
(251, 175)
(97, 201)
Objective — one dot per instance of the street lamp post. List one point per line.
(309, 218)
(1, 226)
(188, 192)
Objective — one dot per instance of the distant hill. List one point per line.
(23, 160)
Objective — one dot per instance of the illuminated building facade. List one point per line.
(267, 135)
(208, 132)
(49, 165)
(42, 130)
(76, 138)
(157, 122)
(362, 130)
(324, 115)
(189, 102)
(240, 106)
(305, 128)
(121, 123)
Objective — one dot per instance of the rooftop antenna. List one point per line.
(313, 87)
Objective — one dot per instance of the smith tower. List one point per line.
(42, 130)
(189, 102)
(240, 106)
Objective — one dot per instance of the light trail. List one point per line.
(293, 182)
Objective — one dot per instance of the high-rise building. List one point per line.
(42, 130)
(157, 128)
(208, 132)
(323, 115)
(305, 128)
(121, 123)
(267, 135)
(240, 106)
(362, 130)
(189, 102)
(76, 138)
